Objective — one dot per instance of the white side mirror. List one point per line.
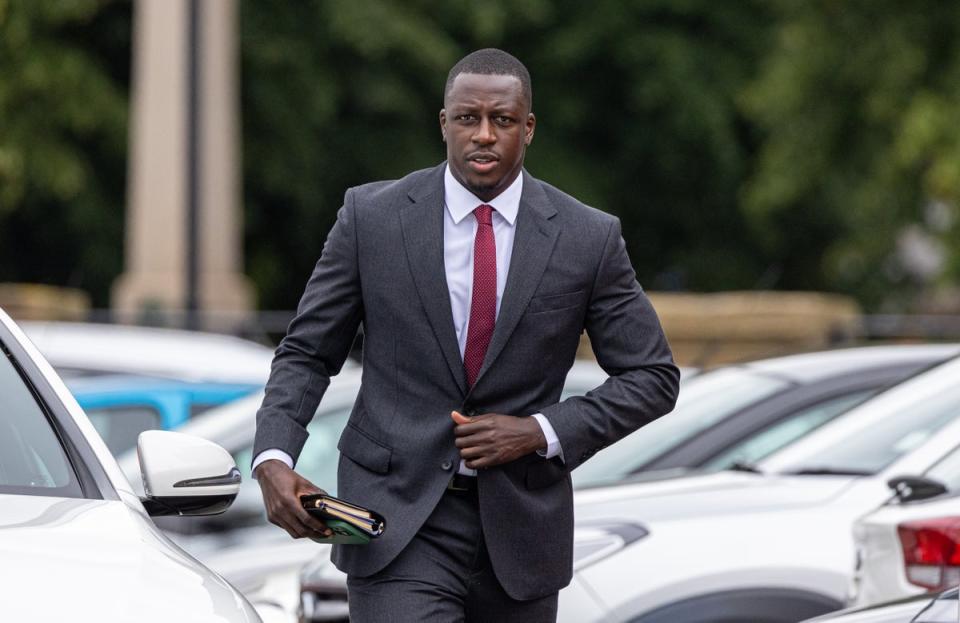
(185, 475)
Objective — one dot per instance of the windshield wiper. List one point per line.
(743, 466)
(828, 471)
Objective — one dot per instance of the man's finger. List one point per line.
(481, 463)
(470, 441)
(476, 425)
(459, 419)
(473, 453)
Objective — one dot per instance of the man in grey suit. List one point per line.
(473, 282)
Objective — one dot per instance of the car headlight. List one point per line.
(593, 542)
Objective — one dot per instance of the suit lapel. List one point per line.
(532, 245)
(422, 224)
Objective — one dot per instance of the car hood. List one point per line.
(721, 493)
(96, 560)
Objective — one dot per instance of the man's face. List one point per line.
(487, 126)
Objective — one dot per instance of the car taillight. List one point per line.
(931, 552)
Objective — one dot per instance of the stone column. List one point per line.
(155, 277)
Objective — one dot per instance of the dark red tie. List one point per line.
(483, 306)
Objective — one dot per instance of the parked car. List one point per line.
(88, 349)
(740, 413)
(910, 545)
(770, 543)
(770, 404)
(917, 609)
(233, 426)
(123, 406)
(764, 398)
(75, 542)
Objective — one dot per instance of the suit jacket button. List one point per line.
(446, 465)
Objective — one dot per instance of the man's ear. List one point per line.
(528, 130)
(443, 124)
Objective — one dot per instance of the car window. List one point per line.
(120, 426)
(196, 408)
(786, 431)
(704, 400)
(873, 449)
(319, 458)
(32, 460)
(947, 471)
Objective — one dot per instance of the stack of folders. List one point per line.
(351, 524)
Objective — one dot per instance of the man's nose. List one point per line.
(485, 133)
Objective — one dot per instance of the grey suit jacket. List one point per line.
(382, 265)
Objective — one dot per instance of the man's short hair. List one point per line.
(492, 62)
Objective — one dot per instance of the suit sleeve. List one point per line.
(317, 343)
(631, 347)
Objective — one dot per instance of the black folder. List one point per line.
(351, 524)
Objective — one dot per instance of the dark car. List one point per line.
(735, 415)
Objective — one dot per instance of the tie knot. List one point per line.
(483, 212)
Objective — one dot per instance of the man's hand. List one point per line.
(493, 439)
(281, 488)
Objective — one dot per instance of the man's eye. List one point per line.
(503, 120)
(466, 117)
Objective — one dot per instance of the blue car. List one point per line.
(121, 407)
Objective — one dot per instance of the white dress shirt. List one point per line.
(459, 231)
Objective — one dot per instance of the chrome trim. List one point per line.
(230, 478)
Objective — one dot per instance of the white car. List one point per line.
(931, 608)
(911, 545)
(76, 543)
(767, 544)
(258, 558)
(84, 349)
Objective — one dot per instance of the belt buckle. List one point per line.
(453, 486)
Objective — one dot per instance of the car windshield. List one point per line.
(319, 457)
(764, 443)
(876, 436)
(704, 400)
(947, 472)
(32, 461)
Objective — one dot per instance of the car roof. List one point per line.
(812, 367)
(150, 351)
(110, 383)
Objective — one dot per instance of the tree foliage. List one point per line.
(63, 108)
(636, 104)
(743, 144)
(858, 103)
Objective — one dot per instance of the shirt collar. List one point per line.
(461, 202)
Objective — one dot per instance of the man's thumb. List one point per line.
(459, 418)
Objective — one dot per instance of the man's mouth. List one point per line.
(483, 163)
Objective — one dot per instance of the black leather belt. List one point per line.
(459, 482)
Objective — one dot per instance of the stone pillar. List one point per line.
(155, 277)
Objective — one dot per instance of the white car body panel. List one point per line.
(733, 531)
(170, 353)
(103, 562)
(881, 575)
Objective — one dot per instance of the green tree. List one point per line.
(636, 101)
(63, 107)
(858, 102)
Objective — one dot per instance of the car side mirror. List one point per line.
(185, 475)
(914, 488)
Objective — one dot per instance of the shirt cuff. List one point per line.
(553, 443)
(271, 454)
